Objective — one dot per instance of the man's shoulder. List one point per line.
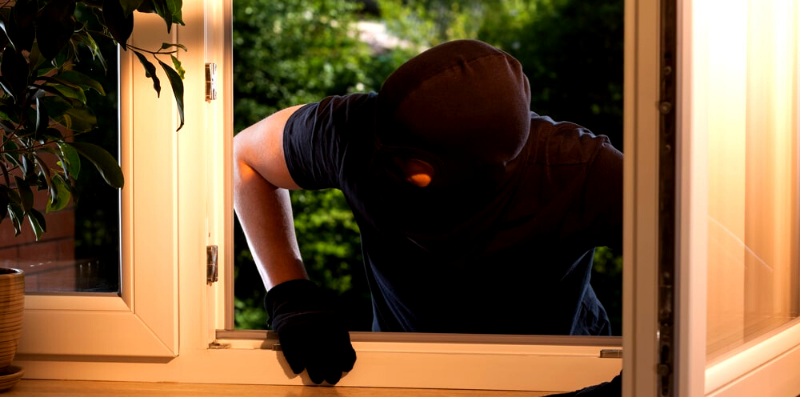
(559, 143)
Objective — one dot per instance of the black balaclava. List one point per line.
(464, 107)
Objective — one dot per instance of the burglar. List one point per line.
(476, 214)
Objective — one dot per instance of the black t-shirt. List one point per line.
(525, 270)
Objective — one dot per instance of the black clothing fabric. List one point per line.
(611, 388)
(311, 335)
(468, 261)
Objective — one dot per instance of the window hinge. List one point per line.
(211, 81)
(211, 264)
(611, 353)
(216, 345)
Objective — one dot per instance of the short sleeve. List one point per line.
(318, 137)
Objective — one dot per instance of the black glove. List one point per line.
(612, 388)
(311, 335)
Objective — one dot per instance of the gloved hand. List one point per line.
(311, 335)
(612, 388)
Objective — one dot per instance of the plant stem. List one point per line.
(159, 52)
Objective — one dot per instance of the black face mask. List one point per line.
(463, 107)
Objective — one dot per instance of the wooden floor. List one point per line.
(53, 388)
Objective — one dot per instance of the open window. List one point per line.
(178, 203)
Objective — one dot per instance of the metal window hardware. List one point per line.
(217, 346)
(667, 369)
(212, 273)
(211, 81)
(611, 353)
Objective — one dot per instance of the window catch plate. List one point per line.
(611, 353)
(218, 346)
(211, 81)
(212, 270)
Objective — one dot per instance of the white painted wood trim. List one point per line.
(437, 364)
(640, 230)
(767, 366)
(692, 151)
(143, 320)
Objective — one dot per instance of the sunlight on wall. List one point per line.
(752, 130)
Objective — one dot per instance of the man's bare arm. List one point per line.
(261, 199)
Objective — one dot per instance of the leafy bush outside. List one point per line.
(292, 52)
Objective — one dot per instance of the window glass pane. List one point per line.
(753, 171)
(80, 251)
(293, 52)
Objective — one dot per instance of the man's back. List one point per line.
(517, 263)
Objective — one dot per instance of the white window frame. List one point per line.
(180, 205)
(767, 365)
(142, 320)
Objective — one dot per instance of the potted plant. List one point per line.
(44, 106)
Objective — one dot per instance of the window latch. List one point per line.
(211, 81)
(611, 353)
(212, 273)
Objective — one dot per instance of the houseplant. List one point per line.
(43, 102)
(44, 106)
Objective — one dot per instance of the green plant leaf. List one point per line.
(56, 107)
(36, 60)
(15, 71)
(73, 161)
(128, 6)
(18, 29)
(60, 200)
(44, 175)
(79, 119)
(165, 46)
(177, 63)
(7, 183)
(177, 88)
(78, 79)
(146, 7)
(86, 38)
(25, 13)
(52, 135)
(175, 10)
(103, 161)
(117, 21)
(25, 193)
(26, 165)
(5, 28)
(4, 201)
(7, 88)
(7, 113)
(17, 215)
(37, 221)
(70, 92)
(150, 71)
(55, 26)
(42, 120)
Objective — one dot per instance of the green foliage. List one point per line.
(330, 249)
(292, 52)
(607, 284)
(44, 94)
(288, 53)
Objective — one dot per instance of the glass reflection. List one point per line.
(753, 273)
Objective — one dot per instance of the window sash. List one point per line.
(141, 321)
(764, 366)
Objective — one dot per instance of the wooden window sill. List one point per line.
(27, 387)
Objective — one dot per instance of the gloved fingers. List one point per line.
(295, 354)
(347, 357)
(316, 369)
(333, 373)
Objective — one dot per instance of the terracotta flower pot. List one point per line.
(12, 299)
